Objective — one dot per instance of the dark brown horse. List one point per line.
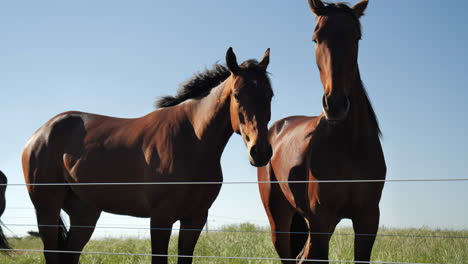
(341, 144)
(182, 141)
(3, 241)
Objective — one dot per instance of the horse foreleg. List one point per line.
(319, 246)
(190, 229)
(322, 225)
(366, 225)
(161, 227)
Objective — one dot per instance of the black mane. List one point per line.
(198, 86)
(370, 110)
(202, 83)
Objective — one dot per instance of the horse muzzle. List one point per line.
(259, 155)
(336, 109)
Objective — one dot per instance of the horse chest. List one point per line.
(201, 198)
(342, 198)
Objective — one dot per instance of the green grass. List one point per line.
(387, 248)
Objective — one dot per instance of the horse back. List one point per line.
(76, 147)
(79, 134)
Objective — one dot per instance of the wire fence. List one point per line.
(206, 257)
(242, 231)
(231, 182)
(132, 227)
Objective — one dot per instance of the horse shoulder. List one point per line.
(290, 139)
(168, 140)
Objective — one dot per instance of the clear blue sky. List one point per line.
(117, 57)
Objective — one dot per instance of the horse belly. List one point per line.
(103, 171)
(186, 200)
(122, 200)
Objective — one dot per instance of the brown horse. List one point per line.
(180, 142)
(341, 144)
(3, 241)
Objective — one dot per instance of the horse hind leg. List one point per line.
(280, 214)
(4, 245)
(3, 241)
(47, 201)
(83, 219)
(299, 237)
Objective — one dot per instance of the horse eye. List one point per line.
(315, 41)
(236, 96)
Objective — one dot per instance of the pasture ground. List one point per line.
(412, 246)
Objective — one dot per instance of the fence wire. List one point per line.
(240, 231)
(217, 230)
(205, 257)
(229, 183)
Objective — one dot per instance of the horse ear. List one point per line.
(265, 60)
(316, 6)
(231, 61)
(360, 7)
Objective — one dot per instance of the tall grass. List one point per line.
(409, 245)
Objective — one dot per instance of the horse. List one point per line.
(341, 144)
(181, 141)
(4, 245)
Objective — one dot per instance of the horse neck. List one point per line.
(361, 124)
(211, 120)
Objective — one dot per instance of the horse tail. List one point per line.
(3, 240)
(4, 245)
(299, 235)
(34, 234)
(62, 235)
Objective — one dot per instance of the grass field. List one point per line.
(252, 244)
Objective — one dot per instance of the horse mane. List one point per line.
(198, 86)
(374, 121)
(202, 83)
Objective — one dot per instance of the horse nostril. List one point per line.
(253, 151)
(247, 138)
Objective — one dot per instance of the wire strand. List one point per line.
(229, 183)
(241, 231)
(207, 257)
